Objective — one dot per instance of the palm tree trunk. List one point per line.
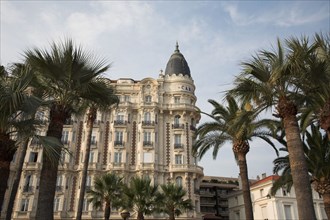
(7, 152)
(326, 201)
(91, 115)
(107, 211)
(172, 216)
(17, 179)
(245, 185)
(140, 216)
(47, 183)
(299, 171)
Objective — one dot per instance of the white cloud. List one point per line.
(285, 16)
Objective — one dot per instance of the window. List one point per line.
(287, 212)
(177, 99)
(85, 205)
(261, 193)
(148, 99)
(178, 159)
(237, 215)
(93, 140)
(24, 205)
(119, 119)
(147, 117)
(178, 181)
(119, 138)
(147, 138)
(88, 181)
(73, 136)
(127, 98)
(177, 141)
(59, 180)
(28, 180)
(91, 157)
(177, 120)
(65, 137)
(264, 212)
(57, 204)
(117, 157)
(33, 157)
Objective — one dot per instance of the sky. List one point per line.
(138, 38)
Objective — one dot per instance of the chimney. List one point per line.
(258, 177)
(263, 176)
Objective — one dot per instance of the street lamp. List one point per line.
(125, 214)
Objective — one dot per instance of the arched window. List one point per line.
(178, 181)
(177, 120)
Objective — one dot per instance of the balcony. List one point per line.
(178, 126)
(178, 146)
(94, 144)
(32, 165)
(120, 123)
(59, 189)
(186, 168)
(65, 142)
(148, 123)
(148, 144)
(28, 189)
(119, 144)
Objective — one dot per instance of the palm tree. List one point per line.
(16, 106)
(171, 200)
(315, 80)
(317, 152)
(236, 124)
(269, 80)
(107, 190)
(65, 73)
(140, 196)
(105, 98)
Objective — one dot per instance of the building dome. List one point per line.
(177, 64)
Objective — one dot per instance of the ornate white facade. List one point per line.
(149, 134)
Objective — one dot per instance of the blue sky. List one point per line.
(138, 37)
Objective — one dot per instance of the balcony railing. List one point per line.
(193, 128)
(148, 123)
(178, 146)
(59, 188)
(119, 143)
(28, 189)
(147, 143)
(178, 126)
(120, 122)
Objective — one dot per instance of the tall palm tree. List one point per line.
(65, 73)
(269, 80)
(317, 152)
(238, 125)
(140, 196)
(107, 191)
(171, 200)
(105, 98)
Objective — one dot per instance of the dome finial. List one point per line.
(177, 47)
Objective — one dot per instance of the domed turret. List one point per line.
(177, 64)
